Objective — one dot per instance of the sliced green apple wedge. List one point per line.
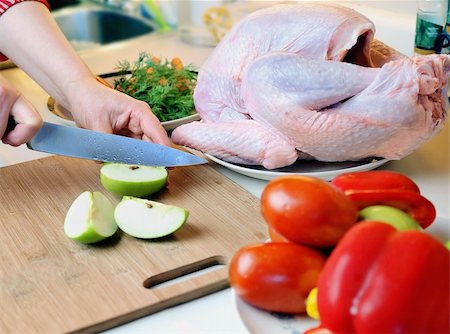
(132, 180)
(145, 219)
(90, 218)
(390, 215)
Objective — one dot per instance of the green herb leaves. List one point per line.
(166, 86)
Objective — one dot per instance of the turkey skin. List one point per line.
(309, 81)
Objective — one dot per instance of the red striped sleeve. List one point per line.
(6, 4)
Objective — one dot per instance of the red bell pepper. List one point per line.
(380, 280)
(375, 179)
(382, 187)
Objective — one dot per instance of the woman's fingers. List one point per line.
(153, 130)
(28, 122)
(27, 118)
(8, 96)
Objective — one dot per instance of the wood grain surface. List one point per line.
(51, 284)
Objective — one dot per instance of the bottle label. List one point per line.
(442, 44)
(426, 33)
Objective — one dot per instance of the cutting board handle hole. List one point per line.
(185, 272)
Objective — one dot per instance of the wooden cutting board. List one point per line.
(51, 284)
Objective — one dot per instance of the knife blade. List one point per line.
(87, 144)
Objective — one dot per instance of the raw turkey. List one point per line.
(309, 81)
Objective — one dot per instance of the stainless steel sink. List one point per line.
(87, 27)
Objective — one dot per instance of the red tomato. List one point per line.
(307, 210)
(374, 180)
(275, 236)
(275, 276)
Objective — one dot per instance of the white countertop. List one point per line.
(216, 313)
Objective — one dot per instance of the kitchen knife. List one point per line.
(92, 145)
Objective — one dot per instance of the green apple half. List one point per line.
(132, 180)
(145, 219)
(390, 215)
(90, 218)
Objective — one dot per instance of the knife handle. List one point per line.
(11, 125)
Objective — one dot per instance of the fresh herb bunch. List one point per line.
(166, 86)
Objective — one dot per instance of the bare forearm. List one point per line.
(30, 37)
(32, 40)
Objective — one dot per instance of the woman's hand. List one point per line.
(28, 119)
(98, 107)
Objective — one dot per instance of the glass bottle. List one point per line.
(430, 22)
